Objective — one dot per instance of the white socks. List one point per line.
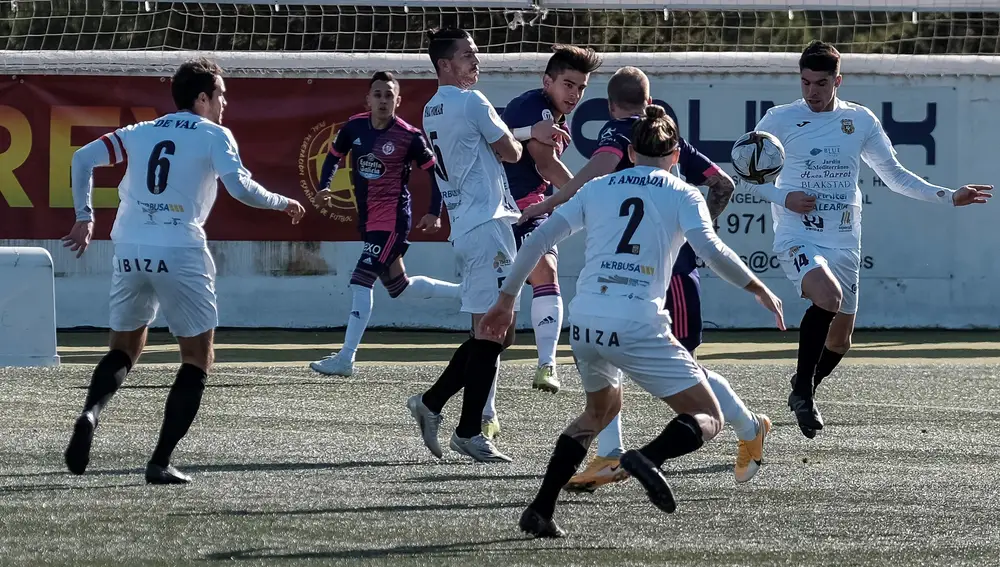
(733, 410)
(422, 287)
(547, 319)
(357, 322)
(609, 440)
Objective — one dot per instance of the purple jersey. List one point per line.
(615, 138)
(526, 185)
(380, 169)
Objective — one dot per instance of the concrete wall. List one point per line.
(924, 265)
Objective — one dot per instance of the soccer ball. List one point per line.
(758, 157)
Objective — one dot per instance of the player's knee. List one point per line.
(395, 285)
(838, 344)
(711, 422)
(829, 297)
(363, 278)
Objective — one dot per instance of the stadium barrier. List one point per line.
(923, 266)
(27, 308)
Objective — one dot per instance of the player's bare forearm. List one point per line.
(600, 164)
(551, 168)
(508, 149)
(720, 191)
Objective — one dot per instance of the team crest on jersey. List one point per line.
(370, 167)
(388, 148)
(500, 261)
(847, 126)
(546, 114)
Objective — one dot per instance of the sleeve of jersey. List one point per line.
(612, 141)
(543, 238)
(697, 226)
(526, 113)
(342, 143)
(421, 153)
(226, 154)
(251, 193)
(695, 166)
(435, 206)
(881, 156)
(105, 150)
(484, 117)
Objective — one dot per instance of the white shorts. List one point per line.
(486, 254)
(182, 280)
(604, 347)
(844, 263)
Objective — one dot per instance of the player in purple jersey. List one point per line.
(538, 170)
(381, 146)
(628, 95)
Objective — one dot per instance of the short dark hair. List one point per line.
(442, 43)
(192, 78)
(568, 57)
(629, 88)
(385, 76)
(655, 134)
(820, 56)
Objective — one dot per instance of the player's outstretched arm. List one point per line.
(250, 193)
(85, 159)
(602, 163)
(720, 258)
(498, 319)
(431, 222)
(720, 190)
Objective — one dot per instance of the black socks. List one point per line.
(480, 372)
(566, 458)
(681, 436)
(814, 328)
(107, 378)
(182, 406)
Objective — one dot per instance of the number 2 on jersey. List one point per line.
(439, 166)
(159, 166)
(633, 206)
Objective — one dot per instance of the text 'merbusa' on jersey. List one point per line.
(460, 126)
(526, 183)
(170, 182)
(635, 220)
(380, 169)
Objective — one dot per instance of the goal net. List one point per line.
(323, 36)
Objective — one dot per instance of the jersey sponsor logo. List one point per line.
(803, 123)
(847, 221)
(311, 155)
(847, 126)
(436, 110)
(813, 222)
(607, 135)
(371, 249)
(628, 267)
(500, 261)
(622, 280)
(160, 207)
(388, 148)
(370, 167)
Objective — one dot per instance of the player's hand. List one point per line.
(534, 211)
(429, 224)
(498, 319)
(800, 202)
(549, 134)
(766, 298)
(295, 210)
(971, 194)
(323, 198)
(79, 237)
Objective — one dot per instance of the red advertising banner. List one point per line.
(283, 128)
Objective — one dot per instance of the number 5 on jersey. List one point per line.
(442, 172)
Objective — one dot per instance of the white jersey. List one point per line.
(635, 220)
(823, 153)
(461, 125)
(170, 181)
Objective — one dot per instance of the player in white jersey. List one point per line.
(468, 137)
(816, 203)
(161, 254)
(637, 220)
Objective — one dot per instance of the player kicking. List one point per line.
(468, 138)
(817, 231)
(382, 147)
(636, 221)
(628, 95)
(563, 85)
(161, 252)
